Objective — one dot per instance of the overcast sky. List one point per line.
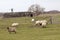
(23, 5)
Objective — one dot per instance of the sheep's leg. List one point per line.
(44, 26)
(15, 32)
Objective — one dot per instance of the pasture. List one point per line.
(27, 31)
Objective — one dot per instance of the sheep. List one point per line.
(37, 22)
(41, 23)
(44, 22)
(14, 24)
(11, 29)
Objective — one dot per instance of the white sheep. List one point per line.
(44, 23)
(41, 23)
(14, 24)
(37, 22)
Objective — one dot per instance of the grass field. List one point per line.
(26, 31)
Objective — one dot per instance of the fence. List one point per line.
(55, 20)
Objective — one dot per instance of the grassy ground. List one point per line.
(26, 31)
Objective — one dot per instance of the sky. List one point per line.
(23, 5)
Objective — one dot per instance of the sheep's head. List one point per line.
(7, 27)
(40, 24)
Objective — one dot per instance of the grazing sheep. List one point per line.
(11, 29)
(15, 24)
(41, 23)
(37, 22)
(44, 25)
(44, 22)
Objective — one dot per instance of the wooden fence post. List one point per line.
(51, 19)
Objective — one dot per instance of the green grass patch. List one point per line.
(26, 31)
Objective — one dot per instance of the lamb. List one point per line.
(11, 29)
(14, 24)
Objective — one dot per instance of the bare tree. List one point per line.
(35, 8)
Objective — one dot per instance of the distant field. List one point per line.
(26, 31)
(50, 14)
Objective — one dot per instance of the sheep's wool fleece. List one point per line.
(38, 22)
(43, 24)
(14, 24)
(12, 28)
